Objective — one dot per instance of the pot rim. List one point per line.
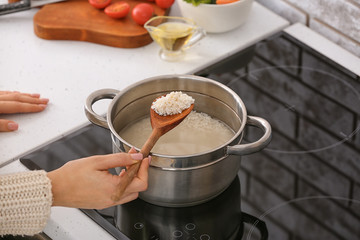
(181, 76)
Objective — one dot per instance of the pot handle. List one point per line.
(93, 98)
(249, 148)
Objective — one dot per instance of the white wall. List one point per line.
(337, 20)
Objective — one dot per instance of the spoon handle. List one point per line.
(133, 169)
(126, 180)
(150, 142)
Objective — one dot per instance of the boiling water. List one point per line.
(197, 133)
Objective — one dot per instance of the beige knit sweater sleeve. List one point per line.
(25, 202)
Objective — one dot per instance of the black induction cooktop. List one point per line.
(304, 185)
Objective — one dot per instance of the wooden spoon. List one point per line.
(160, 125)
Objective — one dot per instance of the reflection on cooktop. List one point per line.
(220, 218)
(304, 185)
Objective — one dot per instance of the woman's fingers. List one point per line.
(105, 162)
(35, 95)
(132, 150)
(15, 102)
(23, 97)
(127, 198)
(140, 182)
(7, 92)
(20, 107)
(8, 125)
(143, 172)
(117, 160)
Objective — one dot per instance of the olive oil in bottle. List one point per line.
(172, 36)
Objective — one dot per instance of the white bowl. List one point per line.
(217, 18)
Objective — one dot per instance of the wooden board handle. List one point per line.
(78, 20)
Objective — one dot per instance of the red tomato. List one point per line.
(142, 12)
(99, 3)
(165, 3)
(225, 1)
(118, 9)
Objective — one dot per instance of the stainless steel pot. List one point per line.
(189, 179)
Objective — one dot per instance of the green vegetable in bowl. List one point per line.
(197, 2)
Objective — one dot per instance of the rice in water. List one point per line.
(197, 133)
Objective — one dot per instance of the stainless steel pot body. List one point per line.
(188, 179)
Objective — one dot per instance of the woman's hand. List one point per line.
(16, 102)
(86, 183)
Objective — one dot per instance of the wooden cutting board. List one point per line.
(78, 20)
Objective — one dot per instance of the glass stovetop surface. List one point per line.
(304, 185)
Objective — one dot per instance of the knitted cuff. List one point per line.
(25, 202)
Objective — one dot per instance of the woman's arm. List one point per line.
(26, 198)
(25, 201)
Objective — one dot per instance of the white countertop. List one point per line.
(66, 72)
